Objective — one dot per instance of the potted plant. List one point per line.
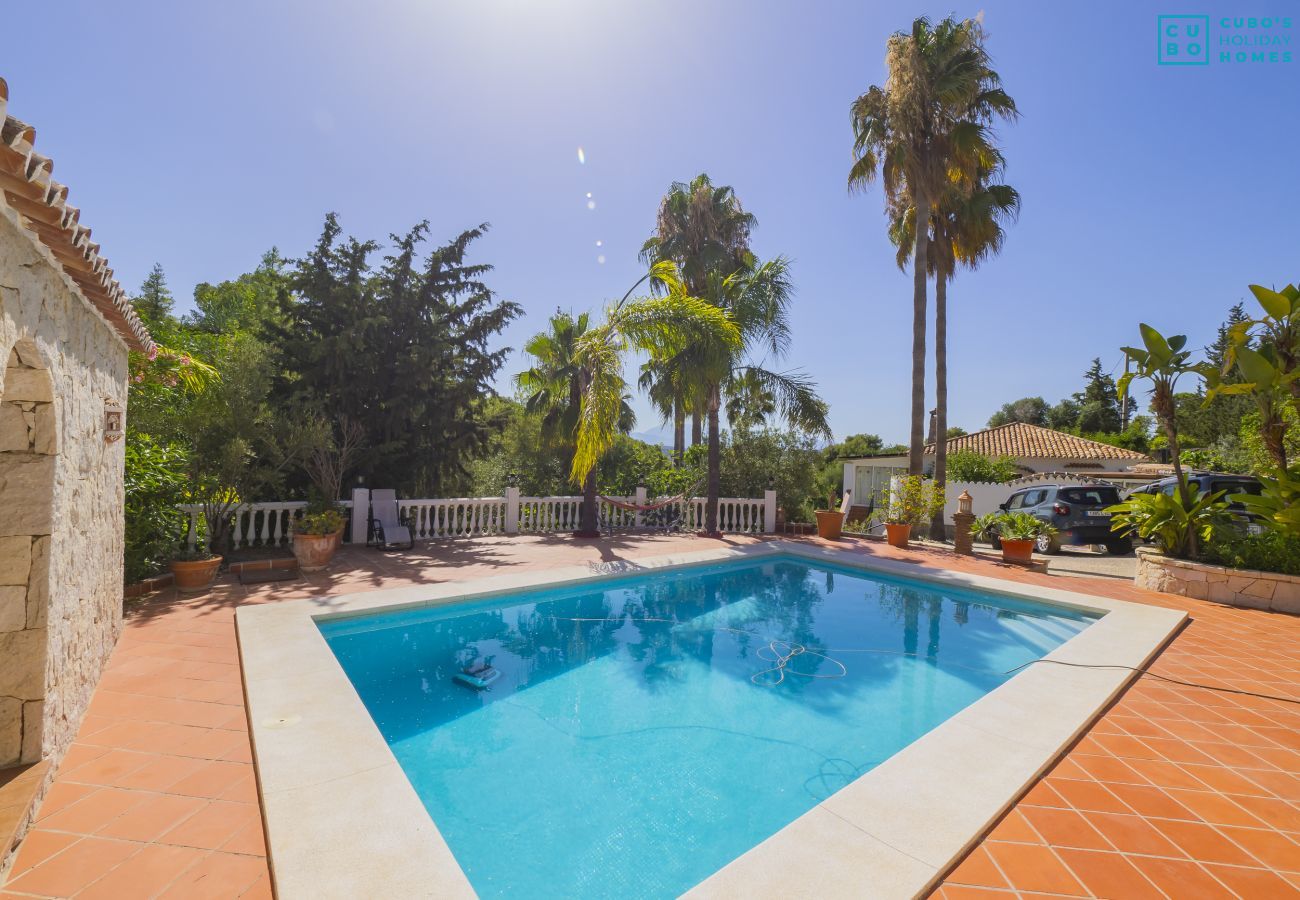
(194, 568)
(316, 537)
(1016, 532)
(830, 521)
(909, 501)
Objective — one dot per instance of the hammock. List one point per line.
(651, 507)
(642, 507)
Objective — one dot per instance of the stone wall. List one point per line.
(61, 499)
(1234, 587)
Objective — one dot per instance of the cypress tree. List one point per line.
(402, 349)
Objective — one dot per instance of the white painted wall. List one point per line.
(985, 496)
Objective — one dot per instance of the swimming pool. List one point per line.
(647, 730)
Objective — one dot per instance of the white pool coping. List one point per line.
(342, 820)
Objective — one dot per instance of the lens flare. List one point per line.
(582, 157)
(600, 243)
(591, 204)
(588, 195)
(601, 259)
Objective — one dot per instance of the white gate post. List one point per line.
(512, 510)
(640, 502)
(360, 516)
(769, 511)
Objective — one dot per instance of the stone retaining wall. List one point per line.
(1234, 587)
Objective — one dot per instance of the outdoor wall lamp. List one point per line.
(114, 421)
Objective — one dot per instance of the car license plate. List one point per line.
(1099, 513)
(1254, 529)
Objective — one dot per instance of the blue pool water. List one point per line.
(643, 732)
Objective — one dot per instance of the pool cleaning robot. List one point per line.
(478, 675)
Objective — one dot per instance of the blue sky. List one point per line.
(199, 135)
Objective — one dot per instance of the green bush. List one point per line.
(1271, 551)
(155, 484)
(325, 521)
(911, 501)
(967, 465)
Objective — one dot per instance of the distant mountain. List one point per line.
(659, 437)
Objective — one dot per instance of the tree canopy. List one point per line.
(404, 349)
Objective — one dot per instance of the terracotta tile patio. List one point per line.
(1175, 791)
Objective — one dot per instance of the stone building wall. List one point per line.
(1235, 587)
(61, 499)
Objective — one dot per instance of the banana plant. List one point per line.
(1278, 331)
(1260, 374)
(1162, 361)
(1264, 356)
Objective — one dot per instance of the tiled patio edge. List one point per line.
(323, 844)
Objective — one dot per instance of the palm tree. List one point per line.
(930, 119)
(672, 390)
(704, 230)
(757, 301)
(967, 221)
(553, 385)
(663, 327)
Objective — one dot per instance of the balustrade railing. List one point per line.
(456, 517)
(255, 524)
(271, 524)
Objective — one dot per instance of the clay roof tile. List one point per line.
(41, 204)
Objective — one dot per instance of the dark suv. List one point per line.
(1210, 483)
(1077, 511)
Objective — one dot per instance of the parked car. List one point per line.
(1212, 482)
(1076, 511)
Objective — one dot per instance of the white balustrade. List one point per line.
(546, 514)
(456, 517)
(255, 524)
(271, 524)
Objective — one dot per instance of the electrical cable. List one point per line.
(1144, 672)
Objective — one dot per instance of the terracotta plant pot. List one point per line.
(899, 535)
(314, 551)
(830, 523)
(1017, 551)
(192, 576)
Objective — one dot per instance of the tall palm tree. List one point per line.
(757, 301)
(967, 223)
(553, 387)
(704, 230)
(663, 327)
(929, 119)
(553, 383)
(967, 234)
(672, 389)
